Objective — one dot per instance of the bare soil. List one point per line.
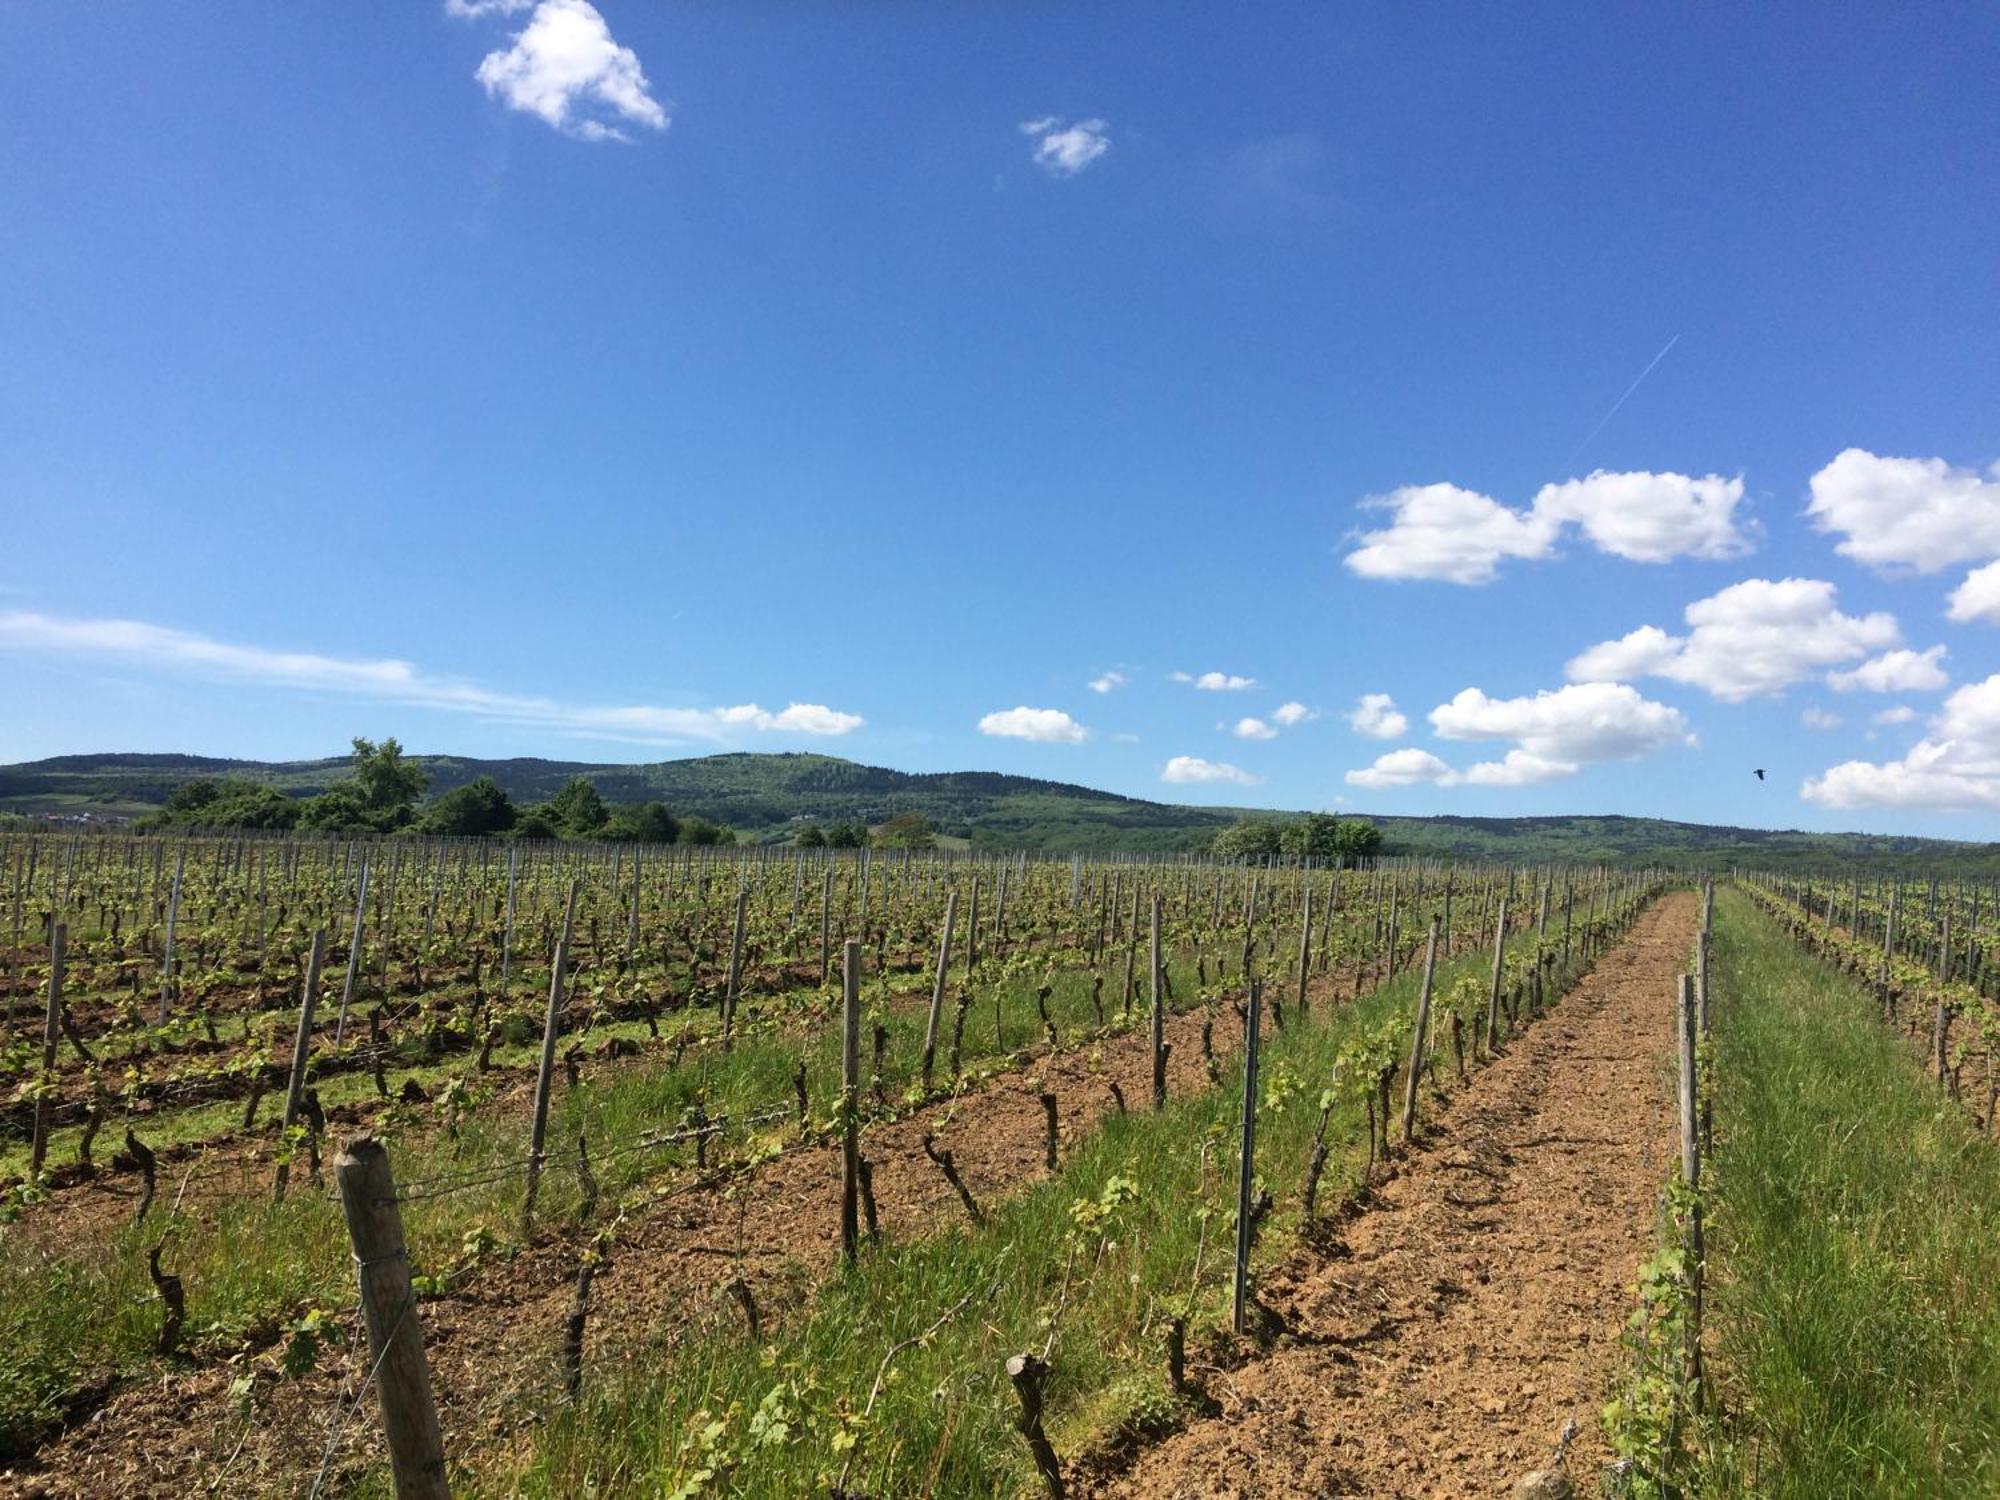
(1438, 1342)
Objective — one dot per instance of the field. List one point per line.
(770, 1172)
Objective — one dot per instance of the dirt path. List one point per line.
(1437, 1347)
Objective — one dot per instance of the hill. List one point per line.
(764, 795)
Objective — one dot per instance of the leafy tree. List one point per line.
(535, 823)
(388, 784)
(191, 795)
(578, 809)
(1248, 838)
(338, 809)
(648, 823)
(847, 836)
(233, 802)
(812, 836)
(478, 807)
(1357, 839)
(908, 830)
(701, 831)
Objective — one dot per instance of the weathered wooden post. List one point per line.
(301, 1047)
(1691, 1175)
(1159, 1015)
(353, 954)
(1305, 950)
(395, 1335)
(1493, 994)
(551, 1029)
(1418, 1036)
(51, 1032)
(850, 1101)
(937, 986)
(1247, 1164)
(173, 919)
(735, 969)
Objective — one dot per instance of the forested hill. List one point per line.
(761, 795)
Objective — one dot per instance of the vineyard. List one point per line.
(698, 1170)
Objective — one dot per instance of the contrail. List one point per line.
(1620, 402)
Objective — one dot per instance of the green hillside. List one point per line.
(762, 796)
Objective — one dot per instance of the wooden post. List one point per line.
(1493, 994)
(551, 1029)
(937, 986)
(1246, 1168)
(51, 1032)
(1418, 1036)
(1305, 950)
(353, 954)
(850, 1100)
(173, 918)
(395, 1336)
(301, 1047)
(1159, 1016)
(735, 969)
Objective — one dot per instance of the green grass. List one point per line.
(1854, 1245)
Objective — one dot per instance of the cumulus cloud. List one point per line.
(565, 68)
(1192, 769)
(1445, 532)
(1063, 150)
(1253, 729)
(1292, 714)
(162, 648)
(1894, 672)
(1049, 726)
(1592, 721)
(1650, 518)
(1518, 768)
(1918, 513)
(1955, 765)
(1815, 717)
(1376, 716)
(1108, 682)
(1978, 598)
(1902, 713)
(1752, 638)
(1399, 768)
(1216, 682)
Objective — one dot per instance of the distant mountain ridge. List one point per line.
(762, 795)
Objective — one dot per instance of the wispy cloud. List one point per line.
(1108, 682)
(387, 680)
(1190, 770)
(1216, 682)
(566, 68)
(1063, 150)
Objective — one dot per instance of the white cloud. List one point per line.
(1955, 765)
(1253, 729)
(1592, 721)
(472, 10)
(1978, 598)
(1650, 517)
(162, 648)
(1752, 638)
(1918, 513)
(1050, 726)
(1894, 672)
(1519, 768)
(1409, 767)
(1292, 714)
(565, 68)
(1108, 682)
(1442, 531)
(1216, 682)
(1377, 717)
(1189, 769)
(1065, 150)
(1902, 713)
(1815, 717)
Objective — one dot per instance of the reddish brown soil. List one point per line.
(1439, 1343)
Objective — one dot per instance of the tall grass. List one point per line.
(1854, 1245)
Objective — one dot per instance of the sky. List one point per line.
(1379, 408)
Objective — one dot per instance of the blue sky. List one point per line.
(603, 382)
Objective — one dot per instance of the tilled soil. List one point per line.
(492, 1345)
(1439, 1343)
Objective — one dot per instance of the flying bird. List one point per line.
(1760, 773)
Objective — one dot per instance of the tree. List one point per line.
(908, 830)
(478, 807)
(701, 831)
(578, 809)
(1248, 838)
(190, 795)
(812, 836)
(1357, 839)
(847, 836)
(648, 823)
(535, 823)
(233, 802)
(387, 785)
